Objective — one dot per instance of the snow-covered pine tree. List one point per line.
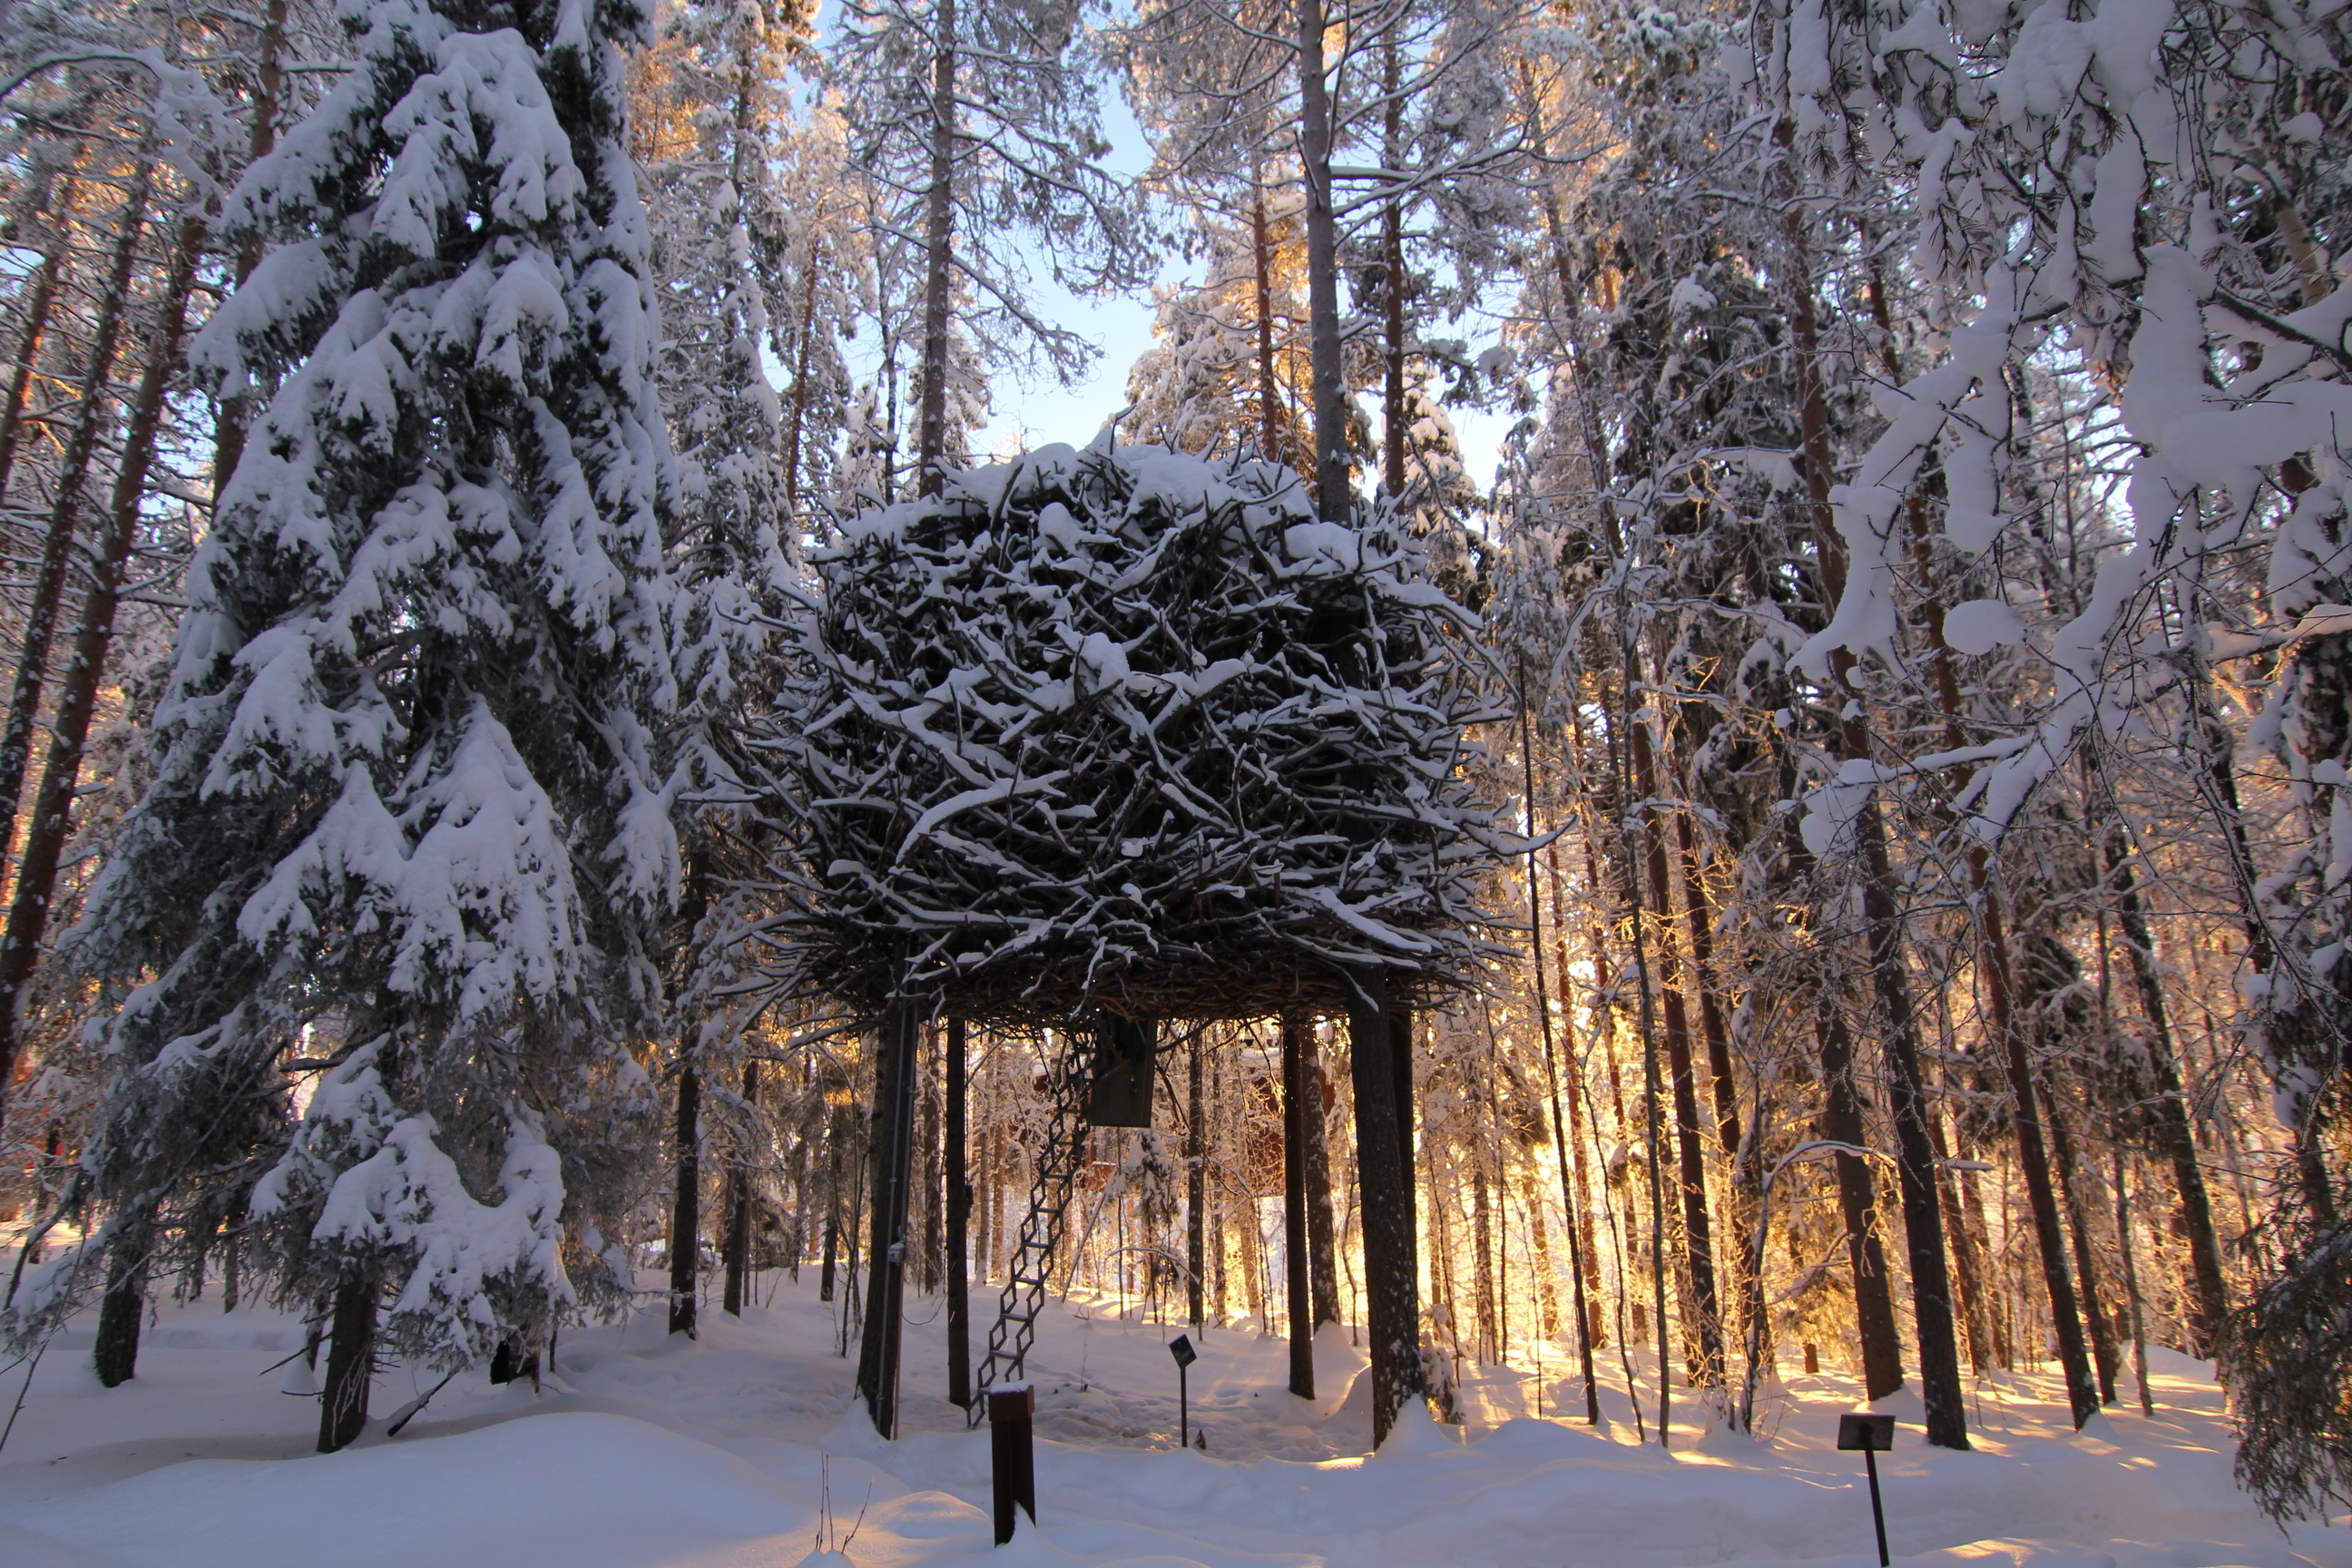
(406, 832)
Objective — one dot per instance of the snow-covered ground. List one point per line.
(641, 1450)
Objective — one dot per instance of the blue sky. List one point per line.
(1036, 409)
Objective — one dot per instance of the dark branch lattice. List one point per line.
(1125, 729)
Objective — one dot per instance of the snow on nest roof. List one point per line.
(1130, 728)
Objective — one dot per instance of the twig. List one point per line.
(22, 1390)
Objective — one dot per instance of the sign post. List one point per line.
(1874, 1435)
(1010, 1455)
(1180, 1347)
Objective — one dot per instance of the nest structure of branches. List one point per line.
(1123, 729)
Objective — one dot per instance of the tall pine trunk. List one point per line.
(1922, 1220)
(1572, 1170)
(837, 1138)
(1271, 446)
(686, 1201)
(351, 1363)
(1746, 1199)
(1322, 1232)
(892, 1147)
(52, 824)
(93, 421)
(1706, 1369)
(958, 1161)
(268, 93)
(1874, 1297)
(2168, 1126)
(1967, 1256)
(798, 419)
(29, 356)
(2078, 1226)
(1999, 983)
(116, 1356)
(739, 1205)
(1196, 1185)
(1393, 156)
(1299, 1292)
(938, 279)
(1332, 501)
(1384, 1197)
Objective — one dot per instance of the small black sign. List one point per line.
(1180, 1347)
(1866, 1434)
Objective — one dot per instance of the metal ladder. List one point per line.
(1064, 1148)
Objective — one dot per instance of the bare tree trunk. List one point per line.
(959, 1196)
(991, 1160)
(2131, 1287)
(799, 417)
(1271, 446)
(233, 1243)
(1384, 1186)
(1571, 1170)
(1931, 1290)
(2070, 1178)
(29, 356)
(927, 1138)
(686, 1202)
(1332, 501)
(1394, 424)
(1698, 1236)
(1547, 1274)
(1583, 1241)
(2169, 1113)
(1963, 1249)
(45, 840)
(939, 278)
(92, 421)
(2041, 1192)
(116, 1356)
(269, 92)
(836, 1136)
(892, 1152)
(1993, 950)
(738, 1204)
(1295, 1092)
(1401, 1069)
(1482, 1257)
(1196, 1185)
(1874, 1299)
(351, 1363)
(1746, 1200)
(1322, 1234)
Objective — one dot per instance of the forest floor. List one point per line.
(730, 1452)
